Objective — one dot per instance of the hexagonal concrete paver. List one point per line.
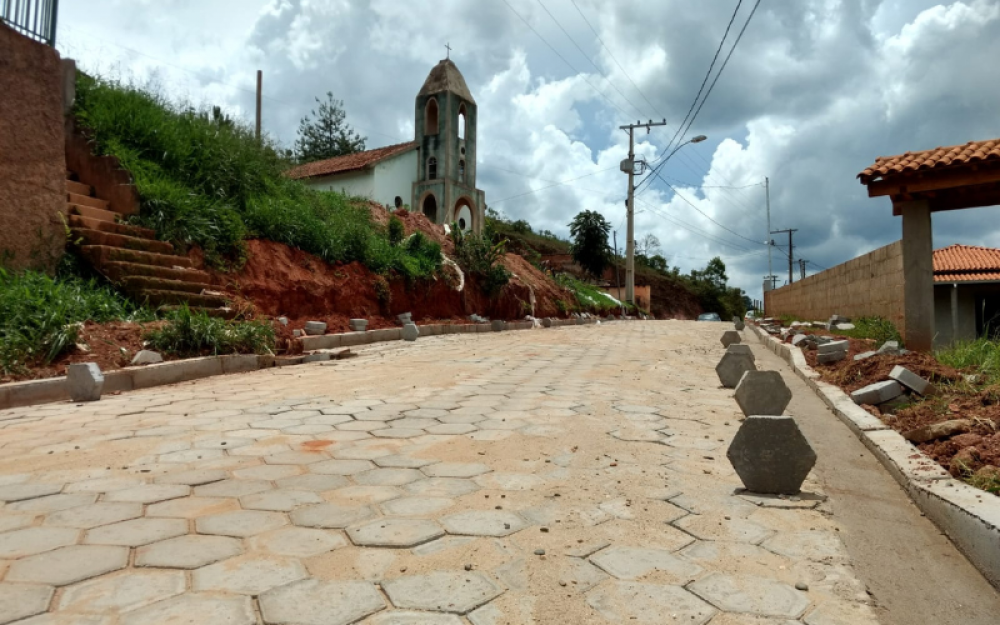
(232, 488)
(655, 604)
(751, 595)
(206, 608)
(397, 461)
(248, 575)
(299, 542)
(388, 477)
(456, 469)
(579, 575)
(452, 429)
(127, 591)
(18, 601)
(331, 515)
(20, 492)
(136, 532)
(813, 545)
(269, 472)
(416, 506)
(68, 565)
(187, 552)
(194, 477)
(53, 503)
(313, 482)
(191, 507)
(441, 591)
(314, 602)
(33, 540)
(510, 481)
(484, 523)
(833, 612)
(633, 562)
(771, 455)
(396, 432)
(442, 487)
(712, 527)
(395, 533)
(283, 500)
(341, 467)
(762, 393)
(241, 523)
(406, 617)
(149, 493)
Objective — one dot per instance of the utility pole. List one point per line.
(618, 282)
(260, 79)
(790, 250)
(628, 166)
(802, 268)
(767, 197)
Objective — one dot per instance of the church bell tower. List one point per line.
(445, 126)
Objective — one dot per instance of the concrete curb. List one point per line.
(31, 392)
(967, 515)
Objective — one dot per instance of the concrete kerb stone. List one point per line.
(970, 519)
(84, 381)
(410, 332)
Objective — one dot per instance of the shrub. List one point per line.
(38, 315)
(206, 180)
(478, 255)
(396, 230)
(190, 333)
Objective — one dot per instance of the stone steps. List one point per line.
(79, 221)
(93, 213)
(73, 186)
(86, 200)
(119, 270)
(146, 283)
(101, 254)
(111, 239)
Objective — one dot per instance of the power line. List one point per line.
(586, 56)
(570, 65)
(677, 222)
(562, 182)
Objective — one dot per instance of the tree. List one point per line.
(326, 133)
(648, 246)
(589, 230)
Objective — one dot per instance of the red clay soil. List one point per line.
(976, 450)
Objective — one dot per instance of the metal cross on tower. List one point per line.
(448, 54)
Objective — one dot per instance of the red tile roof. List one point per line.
(971, 152)
(966, 263)
(349, 162)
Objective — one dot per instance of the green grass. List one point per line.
(38, 315)
(588, 297)
(875, 328)
(981, 356)
(204, 179)
(196, 334)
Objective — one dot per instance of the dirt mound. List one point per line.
(546, 292)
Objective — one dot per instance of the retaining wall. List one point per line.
(867, 286)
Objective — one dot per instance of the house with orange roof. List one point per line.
(966, 292)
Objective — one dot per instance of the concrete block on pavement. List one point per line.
(834, 346)
(146, 357)
(762, 393)
(315, 328)
(729, 337)
(864, 355)
(84, 381)
(831, 357)
(910, 380)
(733, 365)
(497, 325)
(547, 322)
(798, 339)
(771, 455)
(410, 332)
(358, 325)
(878, 393)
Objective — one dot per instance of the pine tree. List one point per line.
(326, 134)
(590, 242)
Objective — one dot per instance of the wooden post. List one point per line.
(259, 82)
(918, 275)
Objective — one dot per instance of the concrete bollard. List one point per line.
(497, 325)
(410, 332)
(771, 455)
(358, 325)
(547, 322)
(737, 360)
(762, 393)
(85, 381)
(729, 337)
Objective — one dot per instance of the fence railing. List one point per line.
(34, 18)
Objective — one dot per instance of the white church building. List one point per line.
(434, 174)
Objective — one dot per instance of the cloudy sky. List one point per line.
(815, 90)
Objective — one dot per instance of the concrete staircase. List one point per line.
(147, 269)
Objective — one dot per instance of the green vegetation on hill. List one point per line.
(204, 179)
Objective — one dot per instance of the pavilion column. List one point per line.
(918, 275)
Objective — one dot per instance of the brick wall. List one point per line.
(32, 160)
(867, 286)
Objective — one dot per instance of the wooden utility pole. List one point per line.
(260, 79)
(802, 268)
(618, 283)
(628, 166)
(791, 262)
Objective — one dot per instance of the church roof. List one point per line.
(349, 162)
(446, 77)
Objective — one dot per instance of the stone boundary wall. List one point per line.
(866, 286)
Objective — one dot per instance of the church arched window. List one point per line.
(461, 122)
(432, 168)
(431, 117)
(461, 170)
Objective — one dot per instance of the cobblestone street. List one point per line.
(573, 475)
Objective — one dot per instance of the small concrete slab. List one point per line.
(137, 532)
(30, 541)
(210, 609)
(84, 381)
(187, 552)
(484, 523)
(299, 542)
(395, 533)
(248, 575)
(877, 393)
(771, 455)
(910, 380)
(119, 593)
(19, 601)
(314, 602)
(240, 524)
(146, 357)
(442, 591)
(733, 365)
(751, 595)
(649, 604)
(730, 337)
(68, 565)
(331, 515)
(864, 355)
(833, 347)
(830, 358)
(635, 562)
(456, 469)
(762, 393)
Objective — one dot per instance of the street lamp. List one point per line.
(630, 244)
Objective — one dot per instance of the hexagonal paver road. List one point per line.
(312, 602)
(442, 591)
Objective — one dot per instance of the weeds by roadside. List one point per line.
(981, 356)
(190, 333)
(588, 297)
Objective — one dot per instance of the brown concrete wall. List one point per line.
(32, 162)
(867, 286)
